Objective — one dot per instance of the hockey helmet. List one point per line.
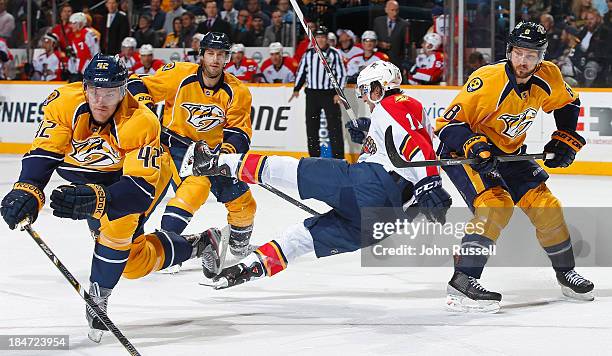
(528, 35)
(433, 41)
(237, 47)
(105, 71)
(276, 47)
(129, 42)
(369, 36)
(386, 74)
(146, 49)
(78, 17)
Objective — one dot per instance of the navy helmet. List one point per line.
(528, 35)
(105, 72)
(215, 40)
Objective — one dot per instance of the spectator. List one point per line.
(286, 12)
(124, 8)
(595, 45)
(7, 21)
(553, 34)
(189, 28)
(429, 66)
(229, 13)
(392, 33)
(580, 8)
(608, 16)
(242, 26)
(277, 31)
(117, 28)
(213, 22)
(173, 38)
(240, 66)
(255, 36)
(83, 44)
(177, 11)
(158, 16)
(475, 61)
(62, 29)
(130, 57)
(253, 8)
(47, 66)
(347, 47)
(367, 57)
(5, 58)
(145, 33)
(322, 11)
(570, 60)
(147, 65)
(278, 68)
(193, 55)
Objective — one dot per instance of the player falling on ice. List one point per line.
(489, 117)
(98, 137)
(347, 188)
(203, 102)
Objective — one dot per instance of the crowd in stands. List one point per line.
(578, 31)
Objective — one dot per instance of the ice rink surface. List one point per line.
(331, 306)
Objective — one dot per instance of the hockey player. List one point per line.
(98, 137)
(346, 45)
(489, 117)
(148, 64)
(278, 68)
(202, 102)
(83, 45)
(429, 66)
(193, 55)
(367, 57)
(240, 66)
(130, 57)
(47, 65)
(371, 182)
(5, 57)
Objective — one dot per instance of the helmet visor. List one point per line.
(525, 55)
(104, 96)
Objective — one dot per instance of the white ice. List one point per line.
(326, 306)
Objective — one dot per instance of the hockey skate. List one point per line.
(96, 327)
(238, 274)
(211, 245)
(575, 286)
(239, 241)
(465, 294)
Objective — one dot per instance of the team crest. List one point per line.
(94, 152)
(54, 95)
(401, 97)
(517, 125)
(204, 117)
(168, 66)
(474, 85)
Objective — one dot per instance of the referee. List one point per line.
(320, 94)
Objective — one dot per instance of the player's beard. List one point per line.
(212, 73)
(523, 71)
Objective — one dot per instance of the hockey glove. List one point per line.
(565, 145)
(432, 199)
(358, 132)
(206, 163)
(477, 146)
(79, 201)
(24, 201)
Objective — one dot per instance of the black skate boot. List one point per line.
(465, 294)
(211, 246)
(99, 296)
(238, 274)
(239, 241)
(575, 286)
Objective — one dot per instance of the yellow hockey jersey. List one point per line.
(124, 154)
(221, 114)
(493, 104)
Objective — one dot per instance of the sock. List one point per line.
(176, 248)
(472, 265)
(175, 219)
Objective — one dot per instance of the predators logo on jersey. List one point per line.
(516, 125)
(204, 117)
(95, 152)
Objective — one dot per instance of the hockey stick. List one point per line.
(397, 160)
(77, 286)
(330, 74)
(267, 187)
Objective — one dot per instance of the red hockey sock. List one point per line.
(251, 167)
(272, 258)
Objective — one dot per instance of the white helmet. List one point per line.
(433, 41)
(197, 36)
(332, 36)
(78, 17)
(237, 47)
(276, 47)
(145, 49)
(385, 73)
(369, 35)
(129, 42)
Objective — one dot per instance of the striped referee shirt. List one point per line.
(312, 72)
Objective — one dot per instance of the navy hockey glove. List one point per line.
(477, 146)
(24, 201)
(79, 201)
(432, 199)
(358, 132)
(565, 145)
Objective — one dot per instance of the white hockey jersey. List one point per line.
(358, 62)
(350, 53)
(284, 74)
(412, 136)
(47, 67)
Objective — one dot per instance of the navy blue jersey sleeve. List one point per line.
(38, 165)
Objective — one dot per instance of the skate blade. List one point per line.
(568, 292)
(223, 245)
(458, 302)
(221, 284)
(95, 335)
(171, 270)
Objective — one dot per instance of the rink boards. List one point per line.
(279, 125)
